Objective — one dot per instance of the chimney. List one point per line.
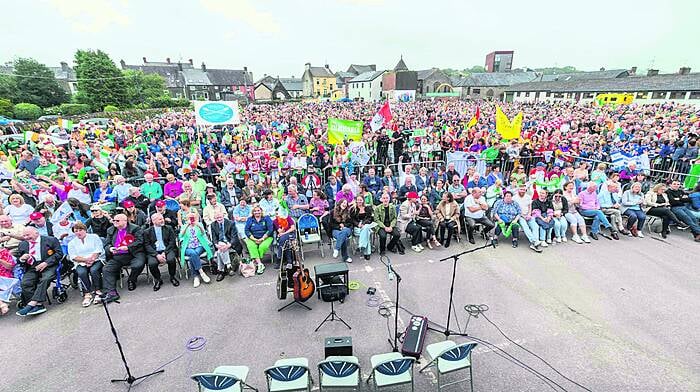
(682, 71)
(602, 68)
(308, 65)
(167, 60)
(204, 67)
(122, 63)
(633, 71)
(191, 63)
(179, 66)
(652, 72)
(326, 66)
(144, 60)
(64, 66)
(245, 69)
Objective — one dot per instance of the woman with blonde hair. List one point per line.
(656, 204)
(194, 241)
(258, 232)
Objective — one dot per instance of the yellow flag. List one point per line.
(507, 129)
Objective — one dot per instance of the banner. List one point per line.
(359, 156)
(621, 160)
(404, 95)
(464, 160)
(216, 113)
(338, 130)
(420, 132)
(61, 213)
(507, 129)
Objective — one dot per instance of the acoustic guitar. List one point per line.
(304, 286)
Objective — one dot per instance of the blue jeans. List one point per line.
(598, 218)
(545, 228)
(341, 241)
(530, 229)
(194, 260)
(90, 277)
(687, 217)
(635, 217)
(560, 225)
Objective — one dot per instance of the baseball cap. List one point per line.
(36, 215)
(128, 203)
(160, 203)
(412, 195)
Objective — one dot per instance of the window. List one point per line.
(380, 84)
(658, 95)
(695, 95)
(557, 95)
(641, 95)
(362, 85)
(527, 94)
(331, 86)
(587, 95)
(318, 82)
(217, 96)
(677, 95)
(476, 91)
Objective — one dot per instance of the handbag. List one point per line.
(247, 269)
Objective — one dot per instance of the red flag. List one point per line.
(382, 117)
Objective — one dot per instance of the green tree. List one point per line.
(37, 84)
(144, 88)
(557, 70)
(8, 88)
(100, 82)
(475, 69)
(6, 107)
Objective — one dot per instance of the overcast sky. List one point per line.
(278, 36)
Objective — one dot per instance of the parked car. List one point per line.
(6, 121)
(48, 118)
(99, 122)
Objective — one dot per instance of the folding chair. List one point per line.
(450, 357)
(224, 378)
(391, 369)
(291, 374)
(338, 372)
(309, 232)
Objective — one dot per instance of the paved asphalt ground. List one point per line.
(612, 316)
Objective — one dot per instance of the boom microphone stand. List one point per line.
(130, 379)
(392, 272)
(447, 332)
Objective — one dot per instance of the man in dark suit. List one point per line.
(161, 248)
(169, 216)
(230, 194)
(224, 236)
(124, 247)
(40, 256)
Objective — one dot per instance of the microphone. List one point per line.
(389, 271)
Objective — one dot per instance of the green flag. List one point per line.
(339, 130)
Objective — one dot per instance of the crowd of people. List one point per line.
(107, 202)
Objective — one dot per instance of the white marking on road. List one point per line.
(368, 269)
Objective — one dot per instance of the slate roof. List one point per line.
(667, 82)
(366, 76)
(169, 72)
(268, 81)
(231, 77)
(292, 84)
(196, 76)
(357, 69)
(321, 72)
(401, 66)
(495, 79)
(608, 74)
(345, 75)
(425, 74)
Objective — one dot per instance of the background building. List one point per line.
(184, 80)
(491, 86)
(400, 84)
(366, 86)
(681, 87)
(432, 81)
(499, 61)
(318, 82)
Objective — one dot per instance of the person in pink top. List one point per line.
(590, 207)
(345, 194)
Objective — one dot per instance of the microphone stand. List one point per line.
(447, 332)
(130, 379)
(391, 270)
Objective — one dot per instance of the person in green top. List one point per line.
(151, 189)
(198, 185)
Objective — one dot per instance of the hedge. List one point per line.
(74, 109)
(6, 107)
(27, 111)
(111, 109)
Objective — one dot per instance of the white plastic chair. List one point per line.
(224, 378)
(450, 357)
(391, 369)
(339, 372)
(291, 374)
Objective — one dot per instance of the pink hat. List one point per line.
(160, 203)
(36, 216)
(412, 195)
(128, 203)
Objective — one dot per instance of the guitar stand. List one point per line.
(332, 316)
(295, 302)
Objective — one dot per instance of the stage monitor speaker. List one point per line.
(338, 346)
(333, 289)
(414, 337)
